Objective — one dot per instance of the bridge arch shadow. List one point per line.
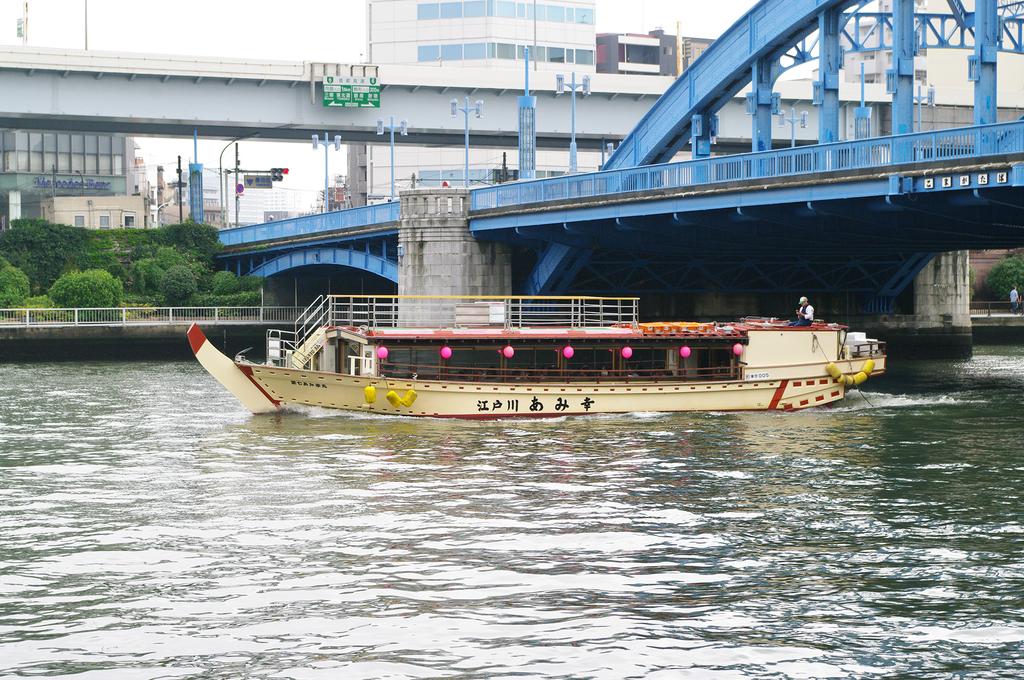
(334, 257)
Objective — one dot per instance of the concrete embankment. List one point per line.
(123, 343)
(1003, 329)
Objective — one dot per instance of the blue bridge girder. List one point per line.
(778, 34)
(311, 256)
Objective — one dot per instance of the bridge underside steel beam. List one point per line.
(868, 276)
(374, 258)
(877, 229)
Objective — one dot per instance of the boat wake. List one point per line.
(859, 401)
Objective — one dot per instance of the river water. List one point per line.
(150, 528)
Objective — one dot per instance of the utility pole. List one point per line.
(237, 197)
(87, 25)
(181, 214)
(504, 166)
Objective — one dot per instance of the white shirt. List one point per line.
(1014, 296)
(809, 312)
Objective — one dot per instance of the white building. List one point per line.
(471, 34)
(481, 33)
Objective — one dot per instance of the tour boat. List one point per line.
(513, 357)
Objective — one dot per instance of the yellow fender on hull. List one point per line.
(858, 378)
(396, 401)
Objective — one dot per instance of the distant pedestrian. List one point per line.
(1014, 300)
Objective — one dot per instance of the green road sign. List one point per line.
(352, 93)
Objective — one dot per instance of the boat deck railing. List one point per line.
(415, 311)
(375, 312)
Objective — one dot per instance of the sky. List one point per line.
(292, 30)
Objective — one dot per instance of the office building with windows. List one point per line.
(481, 33)
(470, 34)
(657, 53)
(38, 167)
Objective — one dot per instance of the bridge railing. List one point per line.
(991, 308)
(352, 218)
(145, 316)
(863, 154)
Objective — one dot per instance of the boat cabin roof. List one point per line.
(640, 331)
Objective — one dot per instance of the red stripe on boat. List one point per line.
(778, 395)
(247, 371)
(196, 338)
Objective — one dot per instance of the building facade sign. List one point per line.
(87, 183)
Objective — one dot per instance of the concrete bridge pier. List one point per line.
(437, 255)
(940, 326)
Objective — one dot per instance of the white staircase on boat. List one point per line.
(304, 353)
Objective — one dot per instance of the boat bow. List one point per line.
(232, 376)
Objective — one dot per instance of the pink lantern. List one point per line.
(568, 352)
(737, 349)
(382, 352)
(627, 352)
(446, 352)
(508, 352)
(685, 351)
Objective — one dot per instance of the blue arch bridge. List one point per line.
(871, 226)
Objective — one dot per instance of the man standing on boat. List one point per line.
(804, 314)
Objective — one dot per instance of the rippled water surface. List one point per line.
(150, 528)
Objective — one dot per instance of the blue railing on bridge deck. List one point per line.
(864, 154)
(382, 213)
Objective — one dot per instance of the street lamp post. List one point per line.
(478, 109)
(337, 146)
(224, 180)
(584, 87)
(793, 119)
(403, 129)
(921, 99)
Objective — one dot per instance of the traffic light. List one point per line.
(277, 174)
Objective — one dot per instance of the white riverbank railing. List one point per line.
(146, 316)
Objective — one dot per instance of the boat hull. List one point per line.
(516, 400)
(264, 388)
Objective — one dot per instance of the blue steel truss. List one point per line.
(880, 153)
(778, 34)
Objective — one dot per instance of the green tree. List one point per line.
(167, 257)
(14, 286)
(1006, 275)
(250, 283)
(39, 302)
(178, 284)
(201, 240)
(146, 276)
(224, 283)
(42, 250)
(91, 288)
